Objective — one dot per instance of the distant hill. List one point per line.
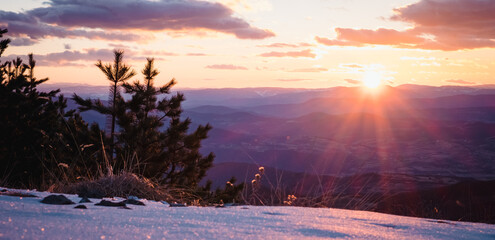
(248, 97)
(372, 104)
(410, 129)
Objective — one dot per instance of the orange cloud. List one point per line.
(334, 42)
(294, 54)
(286, 45)
(352, 81)
(316, 69)
(351, 65)
(379, 36)
(438, 25)
(294, 80)
(226, 67)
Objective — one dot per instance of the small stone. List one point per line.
(133, 197)
(81, 207)
(134, 202)
(84, 200)
(57, 200)
(110, 204)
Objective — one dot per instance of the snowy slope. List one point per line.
(29, 219)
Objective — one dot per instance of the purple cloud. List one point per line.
(70, 58)
(447, 25)
(22, 42)
(65, 18)
(23, 26)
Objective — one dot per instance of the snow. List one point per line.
(27, 218)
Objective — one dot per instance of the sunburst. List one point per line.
(372, 79)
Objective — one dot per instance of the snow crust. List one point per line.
(27, 218)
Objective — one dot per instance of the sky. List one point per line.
(260, 43)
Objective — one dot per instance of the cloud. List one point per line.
(447, 25)
(460, 81)
(381, 36)
(73, 58)
(294, 54)
(314, 69)
(103, 19)
(248, 6)
(418, 58)
(351, 65)
(294, 80)
(286, 45)
(226, 67)
(22, 42)
(352, 81)
(159, 53)
(67, 57)
(334, 42)
(197, 54)
(23, 26)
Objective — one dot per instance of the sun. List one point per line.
(372, 79)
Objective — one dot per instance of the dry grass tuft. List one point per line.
(122, 185)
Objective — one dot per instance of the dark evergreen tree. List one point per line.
(140, 137)
(153, 141)
(172, 156)
(117, 74)
(36, 145)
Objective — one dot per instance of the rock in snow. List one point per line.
(27, 218)
(120, 204)
(110, 204)
(85, 200)
(57, 200)
(134, 202)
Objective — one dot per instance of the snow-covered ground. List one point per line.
(27, 218)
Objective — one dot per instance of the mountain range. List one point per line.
(413, 138)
